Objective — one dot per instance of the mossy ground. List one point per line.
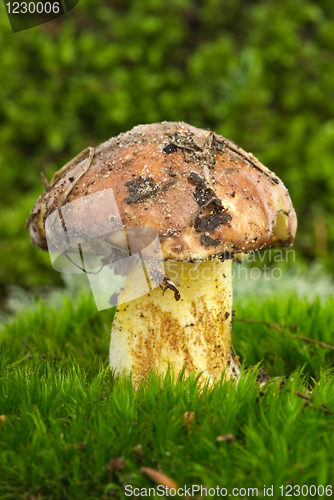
(67, 417)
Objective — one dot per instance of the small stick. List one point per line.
(79, 157)
(311, 405)
(88, 164)
(46, 183)
(62, 171)
(279, 328)
(200, 209)
(303, 396)
(313, 341)
(271, 325)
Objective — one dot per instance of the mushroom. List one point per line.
(209, 202)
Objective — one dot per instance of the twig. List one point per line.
(46, 183)
(313, 341)
(265, 323)
(311, 405)
(279, 328)
(200, 209)
(303, 396)
(77, 159)
(85, 169)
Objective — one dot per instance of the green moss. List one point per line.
(67, 416)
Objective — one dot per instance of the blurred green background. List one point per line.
(259, 72)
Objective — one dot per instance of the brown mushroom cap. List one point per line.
(203, 194)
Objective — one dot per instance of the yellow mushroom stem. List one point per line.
(156, 330)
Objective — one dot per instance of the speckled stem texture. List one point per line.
(156, 330)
